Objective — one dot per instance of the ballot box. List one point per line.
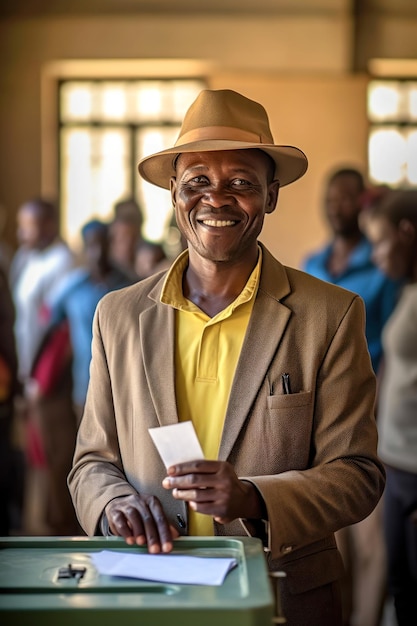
(52, 581)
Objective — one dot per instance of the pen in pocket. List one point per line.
(286, 385)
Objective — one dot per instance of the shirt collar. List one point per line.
(172, 292)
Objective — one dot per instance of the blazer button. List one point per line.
(181, 522)
(286, 549)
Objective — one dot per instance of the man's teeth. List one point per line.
(219, 223)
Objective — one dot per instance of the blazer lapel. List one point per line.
(266, 327)
(157, 328)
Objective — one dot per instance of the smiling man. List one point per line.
(269, 364)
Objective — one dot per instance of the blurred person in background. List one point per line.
(41, 261)
(77, 299)
(346, 260)
(11, 465)
(126, 235)
(150, 258)
(391, 227)
(128, 207)
(6, 252)
(40, 264)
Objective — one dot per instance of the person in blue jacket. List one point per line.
(77, 300)
(346, 259)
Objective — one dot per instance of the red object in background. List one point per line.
(53, 358)
(34, 449)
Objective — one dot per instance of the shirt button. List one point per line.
(181, 522)
(286, 549)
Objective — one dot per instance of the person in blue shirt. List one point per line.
(77, 300)
(346, 260)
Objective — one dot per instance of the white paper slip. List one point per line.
(177, 443)
(166, 568)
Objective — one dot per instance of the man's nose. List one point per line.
(218, 196)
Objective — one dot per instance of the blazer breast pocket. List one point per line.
(290, 400)
(288, 430)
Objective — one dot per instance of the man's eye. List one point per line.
(241, 182)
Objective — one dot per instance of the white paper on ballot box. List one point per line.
(167, 568)
(177, 443)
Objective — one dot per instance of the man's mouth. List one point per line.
(218, 223)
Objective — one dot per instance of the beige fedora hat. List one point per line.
(224, 120)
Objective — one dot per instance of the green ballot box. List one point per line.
(52, 581)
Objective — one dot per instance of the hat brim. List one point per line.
(290, 162)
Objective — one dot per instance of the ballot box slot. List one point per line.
(73, 572)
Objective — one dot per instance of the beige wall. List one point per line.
(296, 66)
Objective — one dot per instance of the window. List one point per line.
(106, 127)
(392, 145)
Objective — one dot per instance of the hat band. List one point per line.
(221, 133)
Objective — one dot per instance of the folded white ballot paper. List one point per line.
(177, 443)
(167, 568)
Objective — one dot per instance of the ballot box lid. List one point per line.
(52, 580)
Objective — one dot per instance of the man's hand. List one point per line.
(141, 520)
(212, 487)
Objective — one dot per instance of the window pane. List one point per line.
(95, 168)
(77, 101)
(412, 101)
(148, 96)
(113, 101)
(387, 156)
(412, 157)
(388, 101)
(155, 202)
(162, 100)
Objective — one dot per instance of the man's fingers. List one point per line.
(198, 495)
(125, 522)
(140, 520)
(199, 466)
(157, 529)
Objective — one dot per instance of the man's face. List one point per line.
(31, 227)
(342, 205)
(96, 250)
(220, 200)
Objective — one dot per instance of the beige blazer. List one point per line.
(311, 454)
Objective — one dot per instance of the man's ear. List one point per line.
(173, 190)
(273, 193)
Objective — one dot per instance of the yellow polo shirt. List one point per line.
(207, 350)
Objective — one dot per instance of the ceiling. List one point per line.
(27, 8)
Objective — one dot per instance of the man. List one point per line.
(126, 236)
(38, 267)
(150, 258)
(77, 300)
(216, 341)
(347, 261)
